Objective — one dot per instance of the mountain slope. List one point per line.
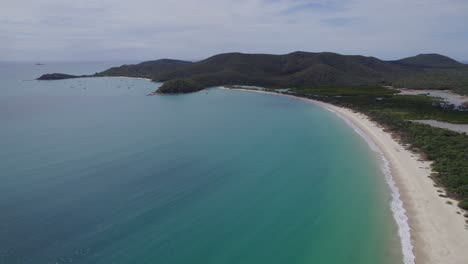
(430, 61)
(148, 69)
(299, 69)
(295, 69)
(319, 69)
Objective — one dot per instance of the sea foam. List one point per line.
(396, 205)
(398, 211)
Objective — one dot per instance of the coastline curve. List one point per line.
(396, 205)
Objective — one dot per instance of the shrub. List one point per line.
(464, 204)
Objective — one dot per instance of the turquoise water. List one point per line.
(94, 171)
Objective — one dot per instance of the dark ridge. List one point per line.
(299, 69)
(147, 69)
(57, 76)
(430, 61)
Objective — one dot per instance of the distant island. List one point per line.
(59, 76)
(297, 69)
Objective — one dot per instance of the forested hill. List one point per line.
(430, 61)
(147, 69)
(297, 69)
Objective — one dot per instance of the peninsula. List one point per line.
(297, 69)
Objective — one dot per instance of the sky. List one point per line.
(61, 30)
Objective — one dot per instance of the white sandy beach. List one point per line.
(438, 234)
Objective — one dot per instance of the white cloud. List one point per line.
(194, 29)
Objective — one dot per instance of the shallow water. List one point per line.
(94, 171)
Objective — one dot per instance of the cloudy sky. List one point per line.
(41, 30)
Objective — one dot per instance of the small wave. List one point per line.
(398, 211)
(396, 205)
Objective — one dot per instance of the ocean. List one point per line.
(94, 171)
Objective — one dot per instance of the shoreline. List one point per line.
(89, 77)
(127, 77)
(430, 229)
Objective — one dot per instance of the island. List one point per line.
(57, 76)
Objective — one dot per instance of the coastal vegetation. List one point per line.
(447, 150)
(347, 91)
(180, 86)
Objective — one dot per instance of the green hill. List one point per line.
(299, 69)
(57, 76)
(147, 69)
(430, 61)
